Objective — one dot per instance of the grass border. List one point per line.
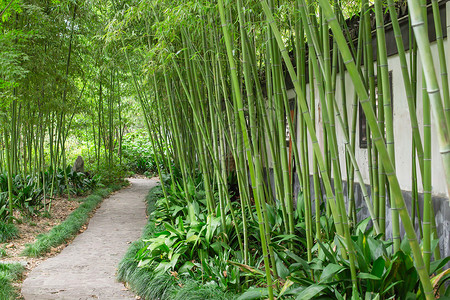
(9, 272)
(146, 284)
(8, 231)
(70, 226)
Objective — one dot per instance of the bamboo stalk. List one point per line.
(390, 173)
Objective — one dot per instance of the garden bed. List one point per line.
(40, 226)
(148, 284)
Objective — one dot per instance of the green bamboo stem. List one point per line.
(377, 138)
(442, 124)
(407, 83)
(427, 204)
(9, 177)
(351, 154)
(322, 163)
(303, 140)
(339, 205)
(442, 59)
(387, 110)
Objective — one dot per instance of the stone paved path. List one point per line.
(86, 268)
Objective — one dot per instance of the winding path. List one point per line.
(86, 268)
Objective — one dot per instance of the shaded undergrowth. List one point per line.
(152, 285)
(70, 227)
(8, 231)
(9, 272)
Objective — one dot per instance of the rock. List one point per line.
(78, 166)
(23, 263)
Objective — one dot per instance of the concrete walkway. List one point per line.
(86, 268)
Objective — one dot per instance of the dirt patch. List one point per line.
(31, 226)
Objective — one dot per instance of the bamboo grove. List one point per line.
(60, 91)
(213, 86)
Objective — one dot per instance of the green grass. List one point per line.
(195, 290)
(70, 227)
(145, 283)
(8, 274)
(8, 231)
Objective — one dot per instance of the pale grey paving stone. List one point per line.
(86, 269)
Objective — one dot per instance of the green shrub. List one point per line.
(138, 153)
(8, 231)
(113, 174)
(28, 193)
(3, 253)
(150, 283)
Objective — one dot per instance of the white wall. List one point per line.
(402, 126)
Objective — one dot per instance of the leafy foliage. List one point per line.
(151, 284)
(28, 191)
(138, 153)
(184, 255)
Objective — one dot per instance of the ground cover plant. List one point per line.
(9, 272)
(148, 282)
(8, 231)
(29, 199)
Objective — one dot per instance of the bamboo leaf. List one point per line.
(368, 276)
(330, 270)
(254, 293)
(311, 292)
(436, 280)
(437, 264)
(286, 286)
(246, 268)
(378, 267)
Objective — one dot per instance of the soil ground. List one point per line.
(31, 226)
(86, 268)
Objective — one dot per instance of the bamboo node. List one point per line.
(417, 267)
(377, 138)
(398, 208)
(433, 91)
(348, 61)
(365, 101)
(445, 151)
(420, 23)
